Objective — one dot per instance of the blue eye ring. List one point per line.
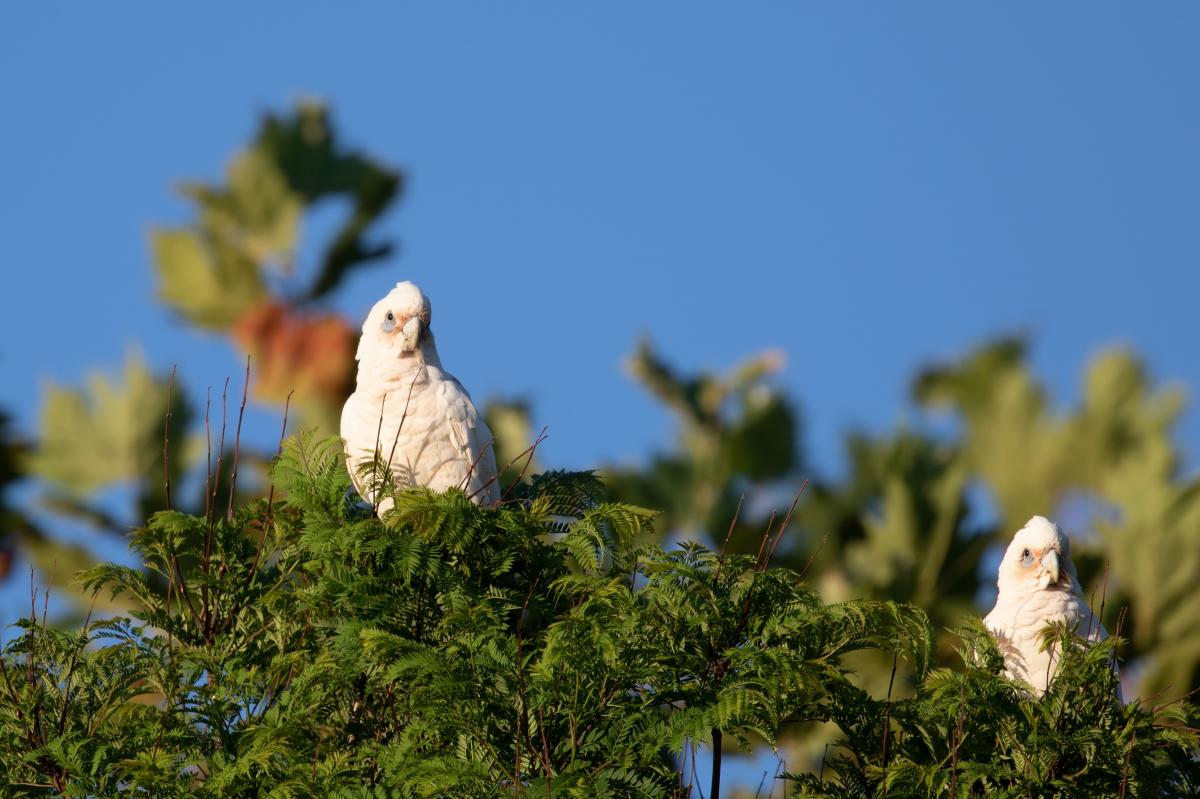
(1026, 558)
(389, 322)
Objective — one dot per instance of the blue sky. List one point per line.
(866, 186)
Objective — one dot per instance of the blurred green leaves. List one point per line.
(110, 431)
(304, 148)
(208, 282)
(216, 269)
(735, 433)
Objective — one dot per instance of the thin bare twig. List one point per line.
(376, 476)
(958, 734)
(32, 622)
(1112, 662)
(462, 485)
(46, 595)
(183, 590)
(220, 460)
(745, 616)
(209, 609)
(1164, 705)
(531, 450)
(208, 443)
(545, 753)
(1104, 592)
(62, 718)
(737, 512)
(237, 444)
(399, 427)
(808, 564)
(167, 438)
(786, 521)
(887, 720)
(269, 520)
(1125, 771)
(762, 544)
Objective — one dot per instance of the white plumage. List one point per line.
(1038, 586)
(406, 408)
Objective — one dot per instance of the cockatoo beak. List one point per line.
(1050, 568)
(410, 335)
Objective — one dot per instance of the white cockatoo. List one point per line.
(411, 414)
(1038, 586)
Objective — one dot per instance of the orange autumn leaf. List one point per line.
(312, 354)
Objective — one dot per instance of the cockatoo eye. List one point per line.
(389, 322)
(1026, 558)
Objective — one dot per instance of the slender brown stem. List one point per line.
(737, 512)
(1104, 592)
(167, 438)
(958, 734)
(270, 509)
(269, 520)
(216, 485)
(399, 427)
(376, 476)
(808, 564)
(786, 521)
(526, 453)
(1159, 708)
(62, 718)
(206, 594)
(741, 625)
(237, 443)
(545, 753)
(1125, 771)
(466, 481)
(208, 444)
(887, 721)
(32, 624)
(762, 544)
(183, 590)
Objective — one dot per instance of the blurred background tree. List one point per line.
(920, 514)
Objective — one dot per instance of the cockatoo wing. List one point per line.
(358, 433)
(475, 470)
(1020, 640)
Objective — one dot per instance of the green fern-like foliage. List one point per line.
(972, 732)
(304, 647)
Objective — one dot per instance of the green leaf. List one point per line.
(109, 432)
(207, 281)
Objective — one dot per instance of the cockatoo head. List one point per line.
(397, 325)
(1038, 558)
